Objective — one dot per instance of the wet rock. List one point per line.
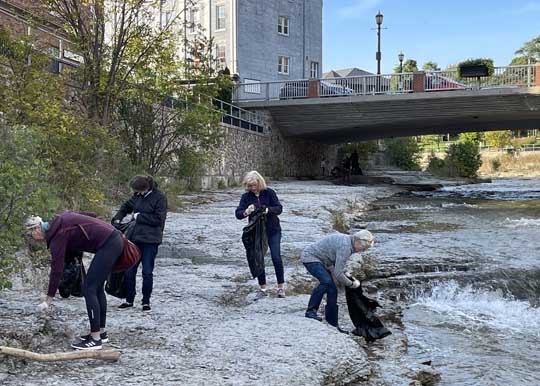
(427, 377)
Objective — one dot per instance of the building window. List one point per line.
(314, 70)
(283, 25)
(220, 17)
(220, 55)
(193, 20)
(283, 65)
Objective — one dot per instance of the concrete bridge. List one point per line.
(340, 110)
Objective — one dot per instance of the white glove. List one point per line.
(355, 284)
(116, 221)
(266, 211)
(135, 215)
(250, 209)
(42, 306)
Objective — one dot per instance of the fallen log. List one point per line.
(106, 355)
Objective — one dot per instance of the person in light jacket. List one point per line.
(258, 194)
(330, 254)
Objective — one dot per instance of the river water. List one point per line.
(465, 261)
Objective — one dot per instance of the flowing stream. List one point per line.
(465, 261)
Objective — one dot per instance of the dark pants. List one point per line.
(148, 256)
(100, 268)
(326, 286)
(274, 243)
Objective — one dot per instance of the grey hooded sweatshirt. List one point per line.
(333, 251)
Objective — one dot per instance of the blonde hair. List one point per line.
(254, 176)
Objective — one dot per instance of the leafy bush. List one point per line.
(463, 159)
(404, 152)
(495, 164)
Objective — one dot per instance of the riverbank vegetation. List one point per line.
(71, 141)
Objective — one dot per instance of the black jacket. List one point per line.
(267, 198)
(150, 221)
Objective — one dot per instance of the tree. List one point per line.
(474, 137)
(164, 121)
(530, 49)
(430, 66)
(463, 159)
(404, 152)
(409, 65)
(498, 139)
(116, 39)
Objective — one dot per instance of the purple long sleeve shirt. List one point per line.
(73, 232)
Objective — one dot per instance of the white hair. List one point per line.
(365, 237)
(33, 222)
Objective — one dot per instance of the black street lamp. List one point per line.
(379, 20)
(401, 57)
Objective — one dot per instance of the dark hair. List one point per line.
(141, 183)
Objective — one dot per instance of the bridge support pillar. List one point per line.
(313, 88)
(537, 74)
(419, 84)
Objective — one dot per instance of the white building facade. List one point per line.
(260, 40)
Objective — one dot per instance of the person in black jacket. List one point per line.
(258, 195)
(149, 208)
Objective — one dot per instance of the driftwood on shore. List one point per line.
(106, 355)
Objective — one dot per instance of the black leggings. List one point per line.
(100, 268)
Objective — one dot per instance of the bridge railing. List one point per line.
(508, 76)
(504, 77)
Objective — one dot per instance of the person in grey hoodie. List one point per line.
(330, 254)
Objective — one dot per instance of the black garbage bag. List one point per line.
(362, 313)
(116, 282)
(73, 276)
(116, 285)
(256, 241)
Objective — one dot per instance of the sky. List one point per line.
(445, 32)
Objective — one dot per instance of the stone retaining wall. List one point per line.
(269, 153)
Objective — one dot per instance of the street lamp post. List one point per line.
(401, 57)
(379, 20)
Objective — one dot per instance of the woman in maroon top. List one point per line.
(77, 232)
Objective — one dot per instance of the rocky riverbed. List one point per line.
(204, 327)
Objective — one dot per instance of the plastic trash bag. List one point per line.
(362, 313)
(255, 241)
(73, 276)
(116, 285)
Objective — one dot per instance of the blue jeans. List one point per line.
(274, 243)
(326, 286)
(148, 256)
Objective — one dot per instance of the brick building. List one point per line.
(27, 17)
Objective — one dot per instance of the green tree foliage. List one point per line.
(463, 159)
(530, 49)
(409, 65)
(498, 139)
(404, 152)
(430, 66)
(131, 42)
(364, 149)
(474, 137)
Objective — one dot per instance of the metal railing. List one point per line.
(503, 77)
(239, 117)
